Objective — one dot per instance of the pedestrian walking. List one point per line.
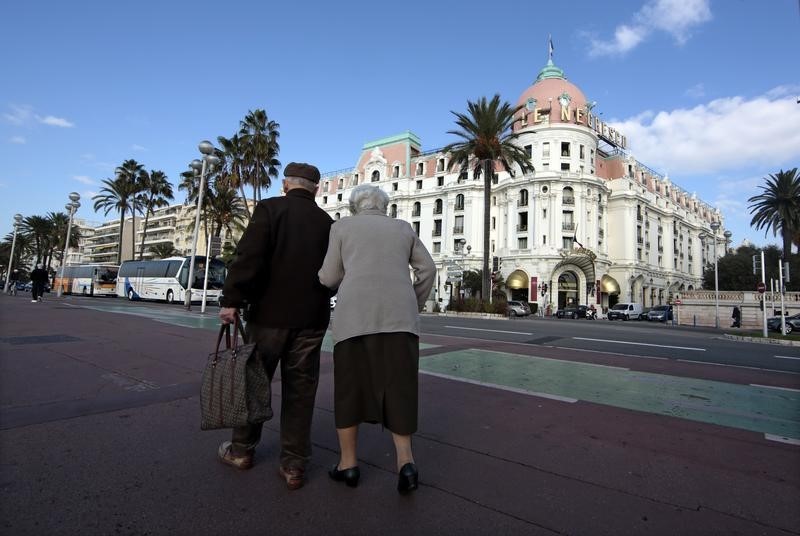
(376, 329)
(737, 317)
(274, 275)
(38, 281)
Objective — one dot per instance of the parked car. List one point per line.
(660, 313)
(518, 308)
(792, 323)
(572, 311)
(626, 311)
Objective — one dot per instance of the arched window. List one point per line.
(393, 210)
(396, 172)
(337, 216)
(376, 176)
(568, 196)
(417, 209)
(523, 198)
(460, 202)
(437, 207)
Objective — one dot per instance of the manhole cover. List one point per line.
(39, 339)
(543, 340)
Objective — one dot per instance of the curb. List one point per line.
(760, 340)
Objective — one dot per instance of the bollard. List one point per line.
(694, 321)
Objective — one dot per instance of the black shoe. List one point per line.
(407, 480)
(348, 476)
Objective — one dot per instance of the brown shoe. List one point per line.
(227, 457)
(293, 476)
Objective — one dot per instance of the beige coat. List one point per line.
(368, 261)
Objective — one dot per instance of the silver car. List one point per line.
(518, 308)
(660, 313)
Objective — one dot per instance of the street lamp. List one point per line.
(17, 221)
(208, 163)
(715, 228)
(71, 207)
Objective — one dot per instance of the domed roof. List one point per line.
(546, 90)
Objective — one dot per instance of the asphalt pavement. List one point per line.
(99, 434)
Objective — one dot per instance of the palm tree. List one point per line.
(164, 250)
(777, 207)
(59, 221)
(260, 138)
(38, 230)
(116, 195)
(134, 173)
(486, 140)
(226, 210)
(233, 163)
(158, 193)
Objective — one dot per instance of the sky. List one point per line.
(706, 91)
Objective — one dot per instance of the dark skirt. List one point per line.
(375, 381)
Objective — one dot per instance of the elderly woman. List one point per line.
(376, 328)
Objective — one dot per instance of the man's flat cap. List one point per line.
(302, 170)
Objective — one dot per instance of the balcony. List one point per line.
(436, 210)
(639, 240)
(522, 227)
(457, 207)
(639, 217)
(436, 232)
(416, 212)
(601, 233)
(522, 202)
(568, 201)
(660, 230)
(660, 249)
(458, 229)
(567, 226)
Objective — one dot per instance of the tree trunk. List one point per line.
(144, 229)
(787, 243)
(486, 284)
(121, 224)
(133, 233)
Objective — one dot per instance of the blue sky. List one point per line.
(706, 91)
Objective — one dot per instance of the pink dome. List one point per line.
(549, 86)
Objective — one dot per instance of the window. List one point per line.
(545, 166)
(355, 178)
(565, 148)
(494, 201)
(417, 210)
(437, 206)
(523, 198)
(325, 186)
(337, 216)
(437, 247)
(393, 210)
(566, 242)
(494, 222)
(458, 228)
(591, 156)
(639, 254)
(544, 240)
(546, 149)
(394, 186)
(324, 199)
(565, 166)
(460, 202)
(529, 150)
(341, 183)
(415, 225)
(544, 213)
(338, 197)
(440, 181)
(419, 185)
(376, 176)
(440, 165)
(522, 242)
(581, 153)
(420, 168)
(396, 171)
(437, 227)
(522, 226)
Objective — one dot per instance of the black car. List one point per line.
(792, 323)
(572, 311)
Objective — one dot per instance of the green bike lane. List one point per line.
(771, 411)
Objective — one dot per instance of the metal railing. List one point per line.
(567, 226)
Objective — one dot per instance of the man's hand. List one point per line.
(228, 314)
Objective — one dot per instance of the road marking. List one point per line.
(610, 353)
(775, 387)
(695, 362)
(642, 344)
(781, 439)
(501, 387)
(490, 330)
(785, 357)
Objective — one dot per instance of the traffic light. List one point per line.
(495, 264)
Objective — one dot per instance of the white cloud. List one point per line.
(84, 179)
(725, 134)
(675, 17)
(19, 115)
(20, 140)
(55, 121)
(697, 91)
(137, 147)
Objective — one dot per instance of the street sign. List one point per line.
(677, 302)
(455, 269)
(215, 246)
(761, 287)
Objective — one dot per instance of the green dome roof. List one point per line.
(550, 71)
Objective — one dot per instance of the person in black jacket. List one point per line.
(38, 280)
(275, 276)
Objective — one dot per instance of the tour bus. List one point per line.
(165, 279)
(87, 279)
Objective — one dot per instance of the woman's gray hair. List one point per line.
(368, 197)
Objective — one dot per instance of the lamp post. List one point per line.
(71, 207)
(17, 221)
(209, 161)
(715, 228)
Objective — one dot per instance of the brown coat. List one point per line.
(276, 265)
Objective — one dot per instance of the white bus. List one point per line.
(87, 279)
(165, 279)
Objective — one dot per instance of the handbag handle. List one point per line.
(226, 330)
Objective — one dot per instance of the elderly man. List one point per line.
(275, 275)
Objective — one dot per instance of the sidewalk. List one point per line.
(99, 434)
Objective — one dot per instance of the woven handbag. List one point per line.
(236, 389)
